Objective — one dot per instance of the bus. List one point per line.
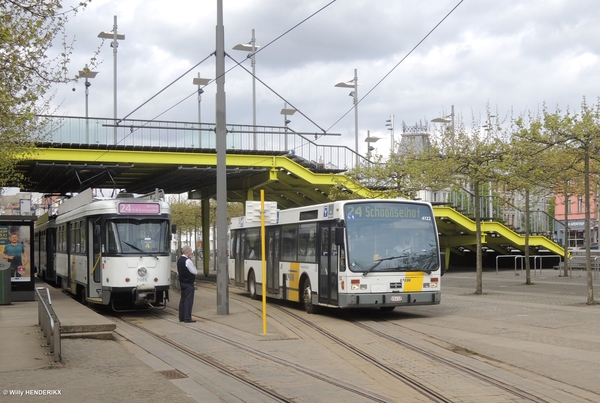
(113, 252)
(342, 254)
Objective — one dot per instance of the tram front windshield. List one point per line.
(128, 236)
(391, 237)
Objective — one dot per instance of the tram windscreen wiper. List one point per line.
(140, 250)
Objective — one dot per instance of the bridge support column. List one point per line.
(205, 210)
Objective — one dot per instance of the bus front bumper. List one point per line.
(388, 299)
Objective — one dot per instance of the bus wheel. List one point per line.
(252, 285)
(309, 307)
(387, 308)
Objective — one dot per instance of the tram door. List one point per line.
(328, 264)
(95, 268)
(272, 251)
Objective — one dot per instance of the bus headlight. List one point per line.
(142, 271)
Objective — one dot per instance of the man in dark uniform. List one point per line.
(187, 274)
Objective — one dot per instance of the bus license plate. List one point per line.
(396, 298)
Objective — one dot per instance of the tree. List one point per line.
(580, 133)
(473, 156)
(527, 168)
(27, 71)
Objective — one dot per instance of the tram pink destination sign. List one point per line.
(139, 208)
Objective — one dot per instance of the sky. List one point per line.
(415, 59)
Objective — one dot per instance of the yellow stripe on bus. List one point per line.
(294, 282)
(414, 281)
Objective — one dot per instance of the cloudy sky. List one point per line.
(513, 56)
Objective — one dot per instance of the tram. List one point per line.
(342, 254)
(44, 255)
(113, 252)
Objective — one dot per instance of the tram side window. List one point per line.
(307, 243)
(252, 248)
(82, 237)
(289, 245)
(75, 237)
(62, 239)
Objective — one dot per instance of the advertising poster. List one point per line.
(15, 245)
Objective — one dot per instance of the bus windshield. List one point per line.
(129, 236)
(391, 236)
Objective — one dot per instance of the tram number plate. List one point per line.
(396, 298)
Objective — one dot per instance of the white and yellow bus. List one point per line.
(342, 254)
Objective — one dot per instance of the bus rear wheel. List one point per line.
(252, 285)
(309, 307)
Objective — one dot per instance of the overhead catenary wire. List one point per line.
(397, 64)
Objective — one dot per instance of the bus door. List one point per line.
(272, 252)
(328, 264)
(95, 261)
(238, 256)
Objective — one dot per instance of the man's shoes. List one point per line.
(190, 321)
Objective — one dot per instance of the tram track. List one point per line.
(411, 381)
(203, 358)
(522, 394)
(372, 365)
(425, 389)
(238, 375)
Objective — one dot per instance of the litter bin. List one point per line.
(5, 286)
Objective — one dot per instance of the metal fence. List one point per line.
(49, 323)
(160, 135)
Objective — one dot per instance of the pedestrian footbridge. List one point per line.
(292, 168)
(458, 235)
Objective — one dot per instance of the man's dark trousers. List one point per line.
(187, 301)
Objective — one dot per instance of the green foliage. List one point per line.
(27, 71)
(187, 214)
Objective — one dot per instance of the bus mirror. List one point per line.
(339, 235)
(174, 228)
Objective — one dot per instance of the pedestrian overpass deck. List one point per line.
(458, 232)
(291, 168)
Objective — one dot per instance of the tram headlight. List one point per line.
(142, 271)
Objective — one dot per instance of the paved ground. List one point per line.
(546, 328)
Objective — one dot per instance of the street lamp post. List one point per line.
(390, 126)
(87, 73)
(116, 37)
(370, 139)
(252, 48)
(446, 119)
(354, 94)
(200, 82)
(286, 112)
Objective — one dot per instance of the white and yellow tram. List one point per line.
(114, 252)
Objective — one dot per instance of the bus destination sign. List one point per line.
(386, 211)
(139, 208)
